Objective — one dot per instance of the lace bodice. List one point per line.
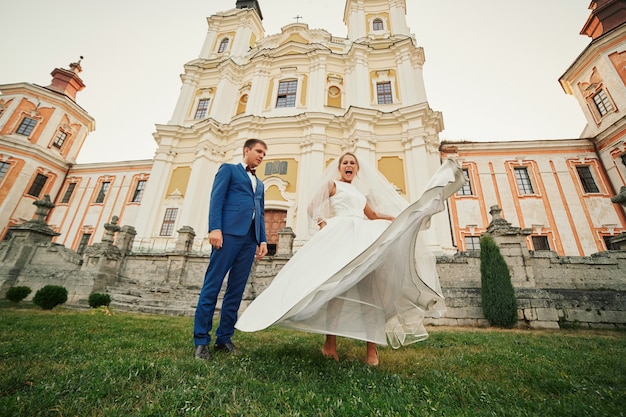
(347, 201)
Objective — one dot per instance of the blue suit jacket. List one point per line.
(233, 203)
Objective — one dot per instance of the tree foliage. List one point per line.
(497, 294)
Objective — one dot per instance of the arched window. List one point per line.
(377, 24)
(223, 46)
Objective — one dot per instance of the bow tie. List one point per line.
(251, 170)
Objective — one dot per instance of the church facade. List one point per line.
(312, 96)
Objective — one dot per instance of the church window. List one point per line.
(84, 242)
(4, 167)
(467, 188)
(472, 243)
(602, 102)
(541, 243)
(383, 91)
(623, 157)
(202, 109)
(243, 102)
(167, 227)
(223, 46)
(26, 126)
(141, 185)
(68, 193)
(523, 181)
(37, 185)
(287, 93)
(610, 245)
(104, 187)
(377, 24)
(586, 179)
(60, 139)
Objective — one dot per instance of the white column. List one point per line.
(408, 81)
(397, 14)
(425, 161)
(359, 82)
(222, 109)
(310, 168)
(317, 85)
(154, 194)
(355, 20)
(190, 83)
(195, 209)
(241, 43)
(209, 44)
(258, 91)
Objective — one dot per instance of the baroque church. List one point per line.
(312, 96)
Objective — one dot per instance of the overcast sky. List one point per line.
(492, 66)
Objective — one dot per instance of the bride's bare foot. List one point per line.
(329, 349)
(330, 354)
(371, 357)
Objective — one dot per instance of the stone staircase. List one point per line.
(145, 297)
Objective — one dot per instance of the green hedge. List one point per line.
(50, 296)
(98, 299)
(17, 294)
(497, 294)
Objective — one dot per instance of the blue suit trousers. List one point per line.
(235, 258)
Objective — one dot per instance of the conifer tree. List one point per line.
(497, 294)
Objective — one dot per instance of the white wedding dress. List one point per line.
(372, 280)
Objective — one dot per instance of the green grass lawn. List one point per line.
(68, 362)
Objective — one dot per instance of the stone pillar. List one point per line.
(620, 240)
(512, 243)
(184, 244)
(534, 305)
(101, 261)
(110, 230)
(285, 242)
(125, 239)
(25, 238)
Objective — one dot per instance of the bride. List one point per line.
(367, 274)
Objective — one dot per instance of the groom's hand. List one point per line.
(261, 250)
(216, 239)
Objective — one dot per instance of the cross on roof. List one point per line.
(298, 17)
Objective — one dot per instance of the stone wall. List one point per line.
(552, 291)
(571, 291)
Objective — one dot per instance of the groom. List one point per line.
(236, 234)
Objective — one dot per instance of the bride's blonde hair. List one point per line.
(348, 154)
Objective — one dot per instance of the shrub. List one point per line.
(98, 299)
(17, 294)
(50, 296)
(497, 294)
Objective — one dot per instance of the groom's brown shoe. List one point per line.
(202, 352)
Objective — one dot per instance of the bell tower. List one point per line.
(597, 79)
(234, 32)
(375, 18)
(250, 4)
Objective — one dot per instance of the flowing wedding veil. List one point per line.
(381, 195)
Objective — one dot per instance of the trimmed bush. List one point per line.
(17, 294)
(98, 299)
(497, 294)
(50, 296)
